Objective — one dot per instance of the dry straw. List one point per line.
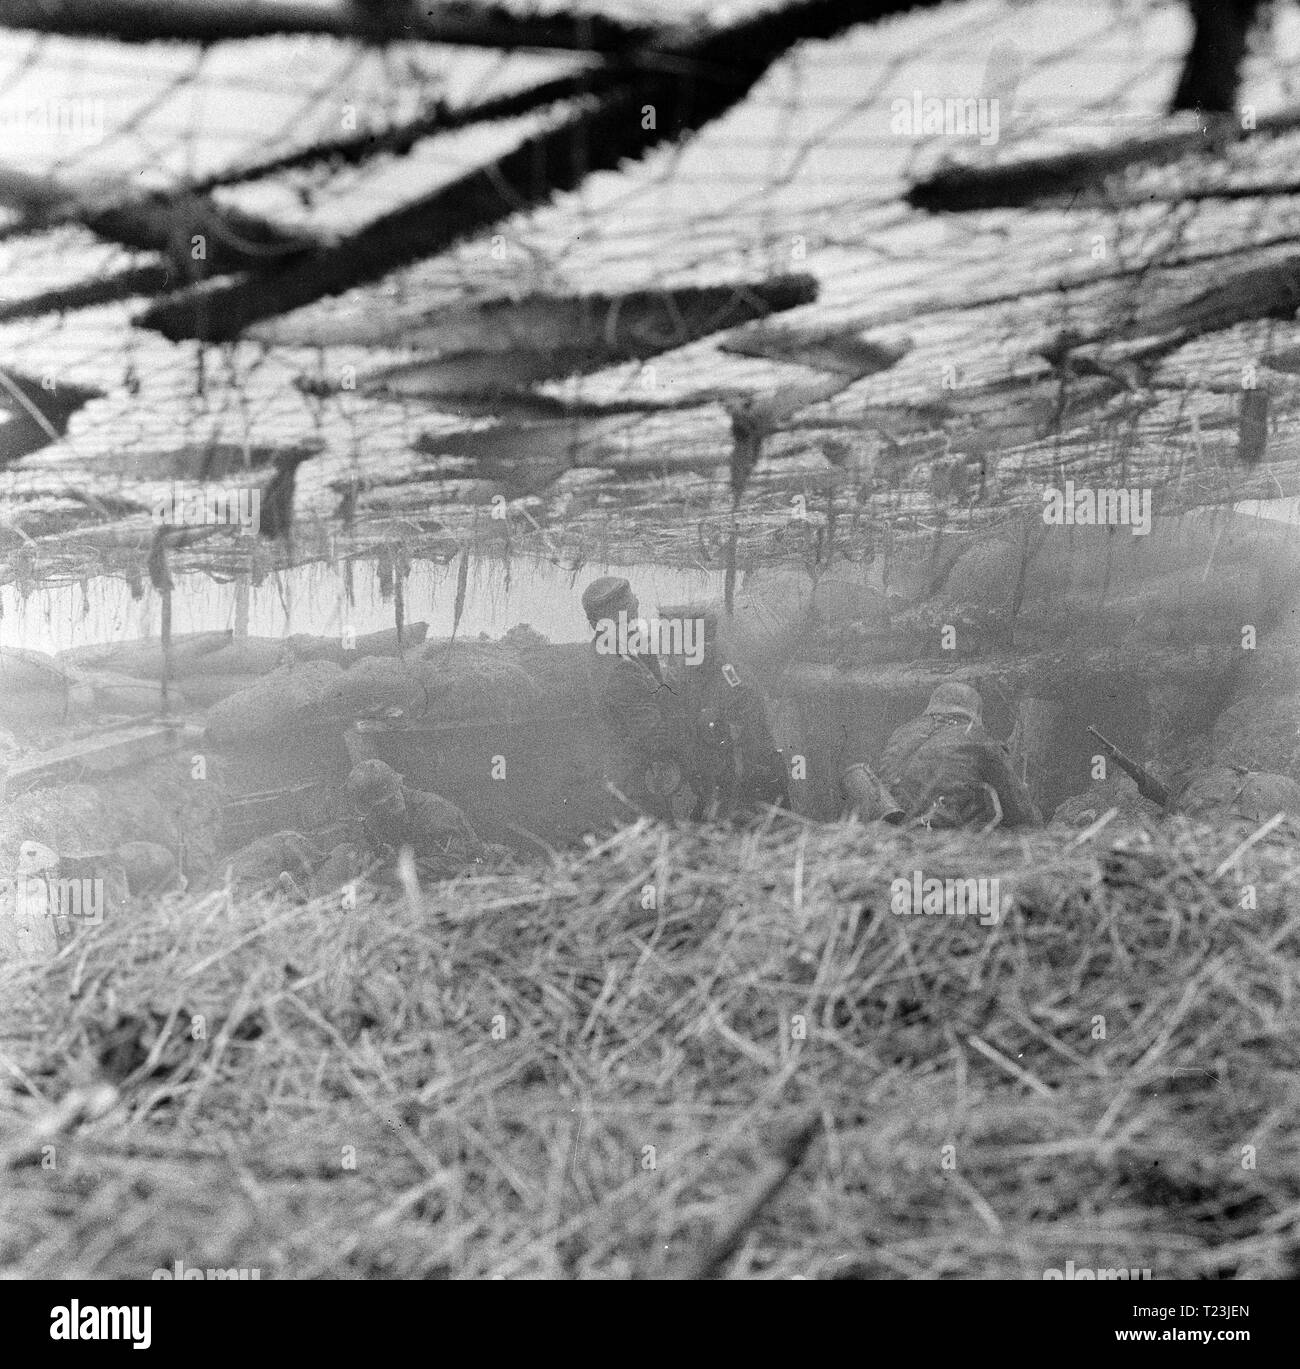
(590, 1068)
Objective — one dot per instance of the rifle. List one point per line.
(1148, 786)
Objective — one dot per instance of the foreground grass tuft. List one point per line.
(577, 1070)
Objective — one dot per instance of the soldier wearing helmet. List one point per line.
(946, 771)
(637, 704)
(395, 815)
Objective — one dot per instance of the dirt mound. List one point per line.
(1117, 791)
(1260, 732)
(1274, 665)
(70, 819)
(1256, 795)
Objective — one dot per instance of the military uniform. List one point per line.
(430, 825)
(637, 705)
(640, 710)
(946, 771)
(394, 816)
(736, 763)
(262, 861)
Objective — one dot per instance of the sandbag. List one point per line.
(283, 701)
(384, 643)
(202, 691)
(248, 656)
(115, 693)
(144, 658)
(468, 683)
(35, 690)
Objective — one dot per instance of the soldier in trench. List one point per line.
(945, 771)
(642, 710)
(394, 815)
(736, 765)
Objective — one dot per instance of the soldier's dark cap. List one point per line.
(602, 593)
(956, 698)
(373, 781)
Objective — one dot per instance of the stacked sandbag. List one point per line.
(284, 700)
(234, 667)
(36, 692)
(469, 682)
(124, 694)
(384, 643)
(508, 733)
(143, 659)
(207, 667)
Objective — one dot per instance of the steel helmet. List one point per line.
(956, 698)
(372, 782)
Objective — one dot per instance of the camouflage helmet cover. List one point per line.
(956, 698)
(372, 782)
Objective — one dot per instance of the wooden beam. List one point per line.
(99, 755)
(1067, 175)
(702, 81)
(218, 21)
(233, 240)
(399, 139)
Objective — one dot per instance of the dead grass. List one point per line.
(501, 1060)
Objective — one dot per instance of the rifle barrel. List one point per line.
(1148, 786)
